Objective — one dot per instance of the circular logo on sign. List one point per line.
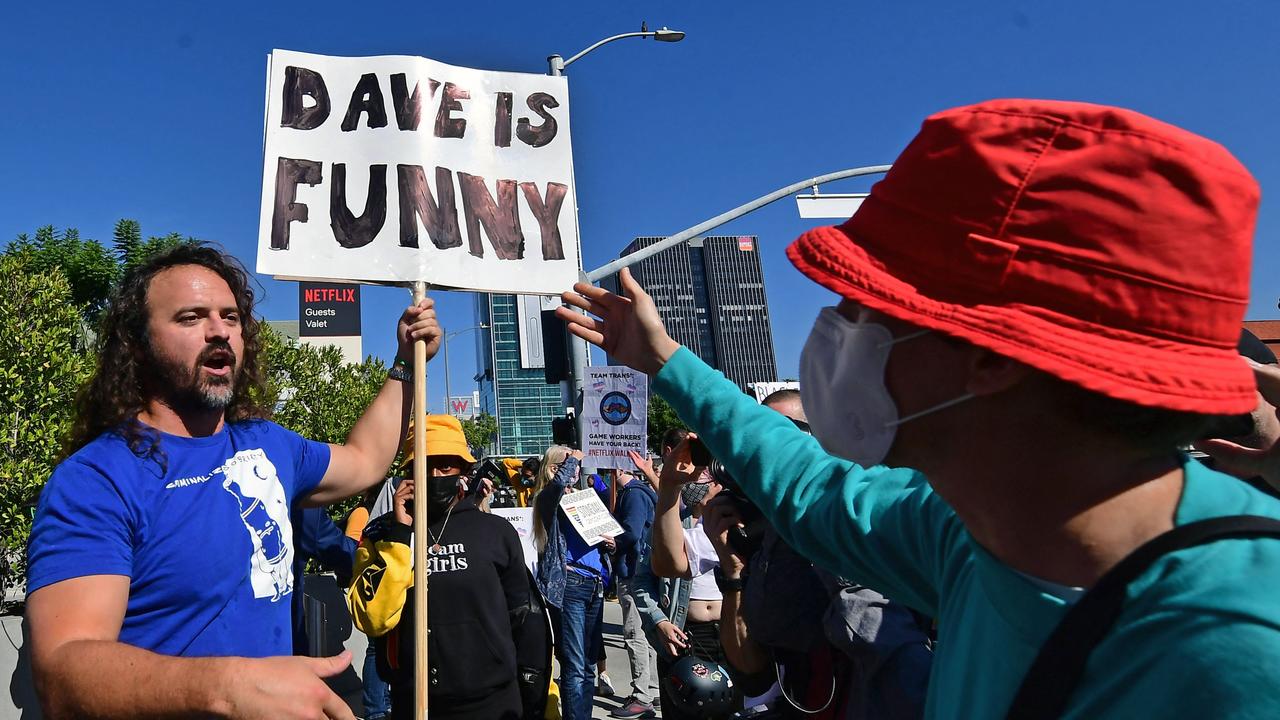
(615, 408)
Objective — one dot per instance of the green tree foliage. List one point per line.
(480, 431)
(315, 393)
(87, 265)
(41, 368)
(661, 419)
(56, 284)
(132, 250)
(90, 267)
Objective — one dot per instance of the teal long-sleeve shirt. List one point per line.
(1199, 636)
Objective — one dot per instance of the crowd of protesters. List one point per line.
(982, 503)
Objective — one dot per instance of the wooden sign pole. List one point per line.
(421, 536)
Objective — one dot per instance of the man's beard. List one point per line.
(188, 388)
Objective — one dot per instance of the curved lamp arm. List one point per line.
(557, 64)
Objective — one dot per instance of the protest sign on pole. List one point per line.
(403, 170)
(615, 415)
(588, 515)
(395, 169)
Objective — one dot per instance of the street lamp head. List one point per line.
(667, 35)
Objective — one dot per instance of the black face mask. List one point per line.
(441, 490)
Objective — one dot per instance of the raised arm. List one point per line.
(363, 459)
(82, 670)
(668, 555)
(878, 526)
(742, 651)
(548, 500)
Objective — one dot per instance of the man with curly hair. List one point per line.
(161, 555)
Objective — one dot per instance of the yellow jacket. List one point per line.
(383, 576)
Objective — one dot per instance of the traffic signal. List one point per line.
(564, 431)
(555, 348)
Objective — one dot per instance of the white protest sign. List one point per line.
(398, 168)
(589, 516)
(615, 415)
(522, 520)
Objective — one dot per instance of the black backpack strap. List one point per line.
(1053, 676)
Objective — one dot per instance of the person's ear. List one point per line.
(991, 372)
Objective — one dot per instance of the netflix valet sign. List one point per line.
(328, 310)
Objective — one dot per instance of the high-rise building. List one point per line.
(710, 295)
(513, 387)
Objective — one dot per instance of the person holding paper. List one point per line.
(570, 577)
(160, 563)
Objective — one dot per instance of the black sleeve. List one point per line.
(514, 577)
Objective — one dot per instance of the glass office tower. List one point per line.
(513, 387)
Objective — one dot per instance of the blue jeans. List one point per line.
(578, 620)
(377, 694)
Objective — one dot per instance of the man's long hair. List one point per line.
(113, 397)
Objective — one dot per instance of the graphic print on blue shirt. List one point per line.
(251, 478)
(206, 541)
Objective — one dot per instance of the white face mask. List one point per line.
(843, 389)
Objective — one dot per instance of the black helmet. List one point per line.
(701, 688)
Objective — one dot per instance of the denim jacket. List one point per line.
(551, 570)
(659, 599)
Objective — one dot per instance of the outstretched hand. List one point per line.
(626, 326)
(1257, 455)
(645, 466)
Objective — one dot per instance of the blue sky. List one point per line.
(153, 111)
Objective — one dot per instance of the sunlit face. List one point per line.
(194, 337)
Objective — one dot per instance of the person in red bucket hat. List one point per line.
(1039, 306)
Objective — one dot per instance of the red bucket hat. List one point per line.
(1094, 243)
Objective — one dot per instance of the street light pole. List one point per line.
(448, 395)
(578, 351)
(557, 64)
(689, 233)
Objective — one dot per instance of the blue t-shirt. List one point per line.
(206, 542)
(581, 557)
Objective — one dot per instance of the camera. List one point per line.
(745, 540)
(488, 469)
(699, 454)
